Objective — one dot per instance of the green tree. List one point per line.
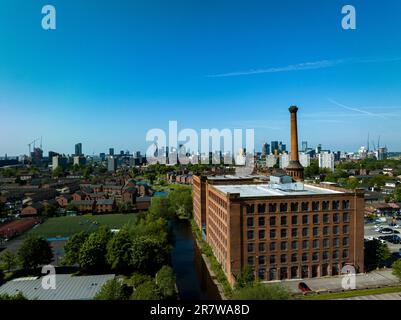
(73, 247)
(18, 296)
(148, 253)
(376, 254)
(397, 268)
(72, 207)
(166, 281)
(147, 291)
(34, 251)
(159, 207)
(92, 256)
(50, 210)
(246, 277)
(180, 202)
(259, 291)
(113, 289)
(119, 251)
(138, 278)
(58, 172)
(9, 260)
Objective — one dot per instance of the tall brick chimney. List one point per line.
(294, 169)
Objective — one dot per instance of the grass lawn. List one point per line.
(67, 226)
(353, 293)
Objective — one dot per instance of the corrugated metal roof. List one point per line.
(67, 287)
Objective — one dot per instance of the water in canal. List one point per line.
(193, 279)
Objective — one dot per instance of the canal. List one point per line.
(193, 279)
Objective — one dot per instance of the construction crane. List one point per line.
(30, 144)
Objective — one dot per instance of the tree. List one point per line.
(138, 278)
(376, 254)
(9, 260)
(113, 289)
(72, 207)
(50, 210)
(159, 207)
(73, 247)
(58, 172)
(119, 251)
(147, 291)
(148, 253)
(397, 268)
(180, 202)
(18, 296)
(92, 256)
(259, 291)
(246, 277)
(34, 251)
(166, 281)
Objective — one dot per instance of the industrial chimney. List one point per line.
(294, 168)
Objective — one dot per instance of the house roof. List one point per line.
(143, 199)
(105, 201)
(83, 202)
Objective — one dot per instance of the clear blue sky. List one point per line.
(114, 69)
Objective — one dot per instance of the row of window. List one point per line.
(296, 206)
(284, 233)
(315, 244)
(315, 256)
(284, 220)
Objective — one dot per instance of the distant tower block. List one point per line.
(294, 168)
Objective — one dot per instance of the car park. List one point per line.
(386, 231)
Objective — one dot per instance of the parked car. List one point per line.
(386, 231)
(304, 288)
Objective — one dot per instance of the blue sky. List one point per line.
(115, 69)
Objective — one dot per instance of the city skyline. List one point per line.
(108, 74)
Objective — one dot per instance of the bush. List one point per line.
(259, 291)
(18, 296)
(165, 280)
(397, 268)
(112, 290)
(147, 291)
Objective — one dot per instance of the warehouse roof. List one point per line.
(68, 287)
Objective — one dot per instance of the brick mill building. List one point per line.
(282, 227)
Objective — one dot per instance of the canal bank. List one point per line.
(194, 280)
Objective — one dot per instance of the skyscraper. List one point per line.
(111, 164)
(304, 145)
(274, 146)
(111, 151)
(78, 149)
(265, 149)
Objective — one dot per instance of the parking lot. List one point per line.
(371, 232)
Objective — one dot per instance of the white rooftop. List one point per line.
(266, 190)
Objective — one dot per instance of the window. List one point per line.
(261, 221)
(294, 257)
(304, 219)
(336, 242)
(304, 257)
(345, 204)
(335, 254)
(250, 208)
(304, 232)
(283, 220)
(272, 221)
(325, 231)
(250, 260)
(335, 205)
(294, 206)
(261, 273)
(262, 234)
(326, 243)
(325, 255)
(283, 233)
(272, 207)
(262, 247)
(345, 241)
(283, 258)
(272, 246)
(250, 247)
(294, 220)
(250, 234)
(315, 256)
(345, 228)
(272, 259)
(315, 206)
(249, 222)
(325, 205)
(261, 208)
(272, 234)
(345, 217)
(336, 218)
(335, 230)
(283, 207)
(345, 253)
(305, 244)
(294, 245)
(283, 246)
(315, 219)
(262, 260)
(305, 206)
(316, 244)
(294, 232)
(315, 231)
(326, 218)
